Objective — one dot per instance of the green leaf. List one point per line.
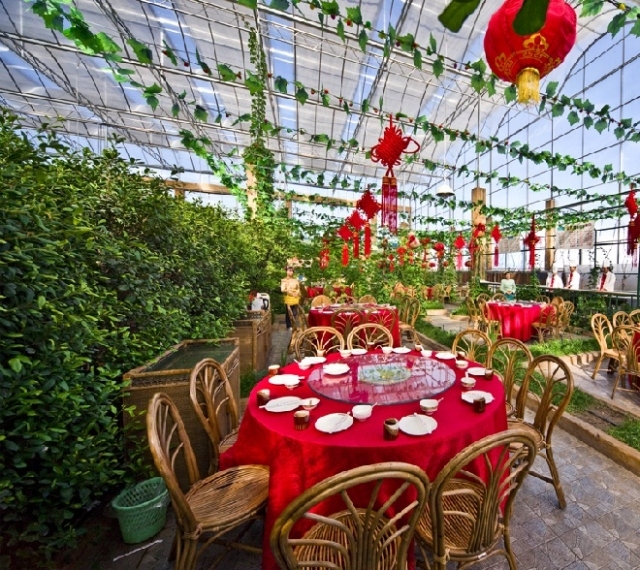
(226, 73)
(200, 113)
(153, 89)
(340, 31)
(531, 17)
(417, 58)
(454, 15)
(106, 44)
(152, 101)
(557, 110)
(437, 66)
(345, 108)
(282, 5)
(175, 110)
(355, 15)
(432, 43)
(365, 105)
(591, 8)
(588, 122)
(169, 53)
(619, 132)
(573, 118)
(326, 100)
(635, 29)
(551, 89)
(251, 4)
(363, 38)
(281, 84)
(302, 96)
(600, 125)
(510, 94)
(617, 23)
(477, 82)
(330, 8)
(491, 85)
(143, 53)
(253, 83)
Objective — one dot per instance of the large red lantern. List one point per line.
(459, 243)
(496, 235)
(523, 60)
(633, 232)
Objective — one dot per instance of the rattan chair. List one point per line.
(546, 324)
(549, 383)
(367, 299)
(299, 323)
(408, 313)
(314, 340)
(215, 407)
(387, 319)
(437, 292)
(626, 343)
(474, 343)
(483, 297)
(223, 502)
(634, 317)
(557, 300)
(469, 513)
(346, 318)
(564, 317)
(487, 323)
(602, 330)
(361, 519)
(369, 335)
(510, 359)
(475, 318)
(498, 297)
(621, 318)
(320, 300)
(543, 299)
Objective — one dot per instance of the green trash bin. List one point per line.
(142, 510)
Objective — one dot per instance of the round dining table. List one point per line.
(321, 317)
(394, 383)
(516, 318)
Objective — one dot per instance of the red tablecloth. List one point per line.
(321, 317)
(299, 459)
(516, 319)
(314, 291)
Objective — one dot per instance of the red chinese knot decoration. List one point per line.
(439, 249)
(633, 231)
(459, 243)
(523, 60)
(531, 240)
(496, 235)
(324, 255)
(356, 223)
(387, 152)
(345, 233)
(370, 207)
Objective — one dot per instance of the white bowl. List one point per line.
(292, 383)
(345, 353)
(462, 364)
(418, 347)
(362, 411)
(304, 365)
(427, 353)
(387, 349)
(468, 382)
(429, 405)
(310, 403)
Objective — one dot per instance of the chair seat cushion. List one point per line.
(228, 496)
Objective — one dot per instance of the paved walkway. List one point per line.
(597, 531)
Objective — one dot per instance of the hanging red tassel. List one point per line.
(391, 263)
(356, 244)
(496, 256)
(367, 240)
(633, 230)
(459, 243)
(401, 252)
(531, 241)
(345, 255)
(496, 235)
(390, 203)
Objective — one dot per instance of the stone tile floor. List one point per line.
(599, 529)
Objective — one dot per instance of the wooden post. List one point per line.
(549, 239)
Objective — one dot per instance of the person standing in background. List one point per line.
(290, 286)
(574, 278)
(608, 279)
(508, 286)
(554, 281)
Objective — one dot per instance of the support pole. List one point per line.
(549, 239)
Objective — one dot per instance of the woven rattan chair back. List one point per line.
(602, 329)
(320, 300)
(346, 319)
(367, 299)
(626, 343)
(298, 324)
(437, 292)
(471, 500)
(474, 312)
(548, 385)
(210, 507)
(369, 336)
(557, 300)
(621, 318)
(634, 317)
(408, 313)
(387, 319)
(214, 405)
(483, 297)
(543, 299)
(487, 323)
(546, 323)
(474, 343)
(318, 339)
(447, 293)
(362, 519)
(498, 297)
(564, 317)
(510, 359)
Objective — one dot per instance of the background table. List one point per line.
(321, 317)
(314, 291)
(516, 319)
(299, 459)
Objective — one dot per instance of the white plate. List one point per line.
(471, 395)
(401, 349)
(333, 423)
(282, 379)
(476, 371)
(336, 368)
(445, 355)
(284, 404)
(358, 351)
(417, 424)
(313, 360)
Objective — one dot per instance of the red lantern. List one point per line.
(459, 243)
(523, 60)
(531, 241)
(496, 235)
(388, 150)
(439, 247)
(356, 222)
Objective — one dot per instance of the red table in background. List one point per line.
(321, 317)
(516, 319)
(300, 459)
(314, 291)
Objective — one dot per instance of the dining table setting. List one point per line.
(516, 318)
(317, 417)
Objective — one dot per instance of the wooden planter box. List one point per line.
(169, 373)
(254, 334)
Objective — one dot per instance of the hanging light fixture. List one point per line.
(445, 191)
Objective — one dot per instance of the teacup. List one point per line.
(429, 405)
(362, 411)
(418, 347)
(263, 397)
(462, 364)
(468, 382)
(304, 365)
(274, 369)
(391, 429)
(427, 353)
(488, 374)
(310, 403)
(292, 383)
(387, 350)
(301, 420)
